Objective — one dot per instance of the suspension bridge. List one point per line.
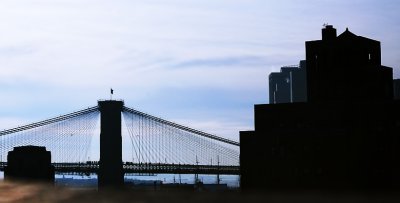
(111, 140)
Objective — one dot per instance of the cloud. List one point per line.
(59, 56)
(221, 62)
(11, 122)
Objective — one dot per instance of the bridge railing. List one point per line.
(151, 168)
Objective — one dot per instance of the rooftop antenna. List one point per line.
(111, 93)
(325, 24)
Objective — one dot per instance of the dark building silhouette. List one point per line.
(346, 67)
(110, 166)
(345, 137)
(396, 89)
(29, 163)
(289, 85)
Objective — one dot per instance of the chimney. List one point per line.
(328, 33)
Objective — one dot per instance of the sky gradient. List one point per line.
(200, 63)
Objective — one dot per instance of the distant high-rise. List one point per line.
(289, 85)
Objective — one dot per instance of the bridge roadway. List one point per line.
(143, 168)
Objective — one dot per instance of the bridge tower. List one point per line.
(110, 170)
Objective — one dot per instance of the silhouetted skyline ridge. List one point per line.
(346, 137)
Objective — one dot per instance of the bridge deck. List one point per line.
(144, 168)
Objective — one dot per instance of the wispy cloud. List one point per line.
(252, 61)
(57, 56)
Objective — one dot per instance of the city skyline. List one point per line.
(200, 63)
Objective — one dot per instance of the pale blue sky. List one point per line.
(199, 62)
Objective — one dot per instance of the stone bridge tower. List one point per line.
(110, 170)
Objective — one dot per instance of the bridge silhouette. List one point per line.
(150, 144)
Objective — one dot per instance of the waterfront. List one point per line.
(90, 181)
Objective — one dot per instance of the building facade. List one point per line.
(346, 67)
(345, 137)
(396, 89)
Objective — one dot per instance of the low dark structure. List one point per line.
(347, 135)
(29, 163)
